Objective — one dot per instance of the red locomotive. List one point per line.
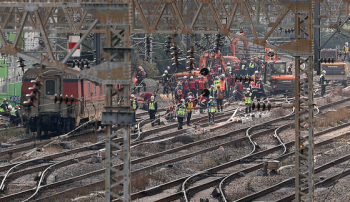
(62, 101)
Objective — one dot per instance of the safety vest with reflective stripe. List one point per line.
(216, 83)
(346, 49)
(251, 65)
(152, 106)
(223, 84)
(248, 100)
(229, 68)
(134, 103)
(189, 106)
(2, 109)
(324, 81)
(243, 66)
(211, 107)
(181, 111)
(13, 112)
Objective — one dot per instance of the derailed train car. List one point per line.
(63, 102)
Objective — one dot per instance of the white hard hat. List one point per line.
(197, 68)
(216, 77)
(182, 100)
(4, 99)
(10, 106)
(324, 71)
(152, 97)
(132, 95)
(223, 75)
(191, 77)
(166, 71)
(228, 63)
(190, 97)
(219, 68)
(346, 43)
(256, 72)
(185, 77)
(210, 97)
(248, 89)
(168, 67)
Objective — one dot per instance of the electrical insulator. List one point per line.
(167, 45)
(219, 42)
(262, 106)
(245, 79)
(35, 90)
(176, 53)
(191, 58)
(327, 60)
(148, 46)
(66, 99)
(21, 63)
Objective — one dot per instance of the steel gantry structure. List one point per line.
(262, 19)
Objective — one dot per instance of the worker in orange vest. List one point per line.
(219, 95)
(223, 84)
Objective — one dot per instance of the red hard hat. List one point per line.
(252, 59)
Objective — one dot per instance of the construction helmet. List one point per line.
(256, 72)
(179, 91)
(178, 83)
(132, 95)
(185, 77)
(248, 89)
(291, 63)
(168, 67)
(228, 63)
(189, 97)
(166, 71)
(346, 43)
(191, 77)
(216, 77)
(141, 95)
(141, 68)
(324, 71)
(210, 97)
(152, 97)
(222, 75)
(182, 100)
(251, 58)
(10, 107)
(218, 85)
(17, 107)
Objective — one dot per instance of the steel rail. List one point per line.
(230, 164)
(291, 180)
(332, 103)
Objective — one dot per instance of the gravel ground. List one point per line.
(238, 188)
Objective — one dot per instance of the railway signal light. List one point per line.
(21, 63)
(35, 90)
(191, 58)
(205, 93)
(204, 71)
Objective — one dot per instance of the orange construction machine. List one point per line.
(234, 43)
(207, 60)
(276, 78)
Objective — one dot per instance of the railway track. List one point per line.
(218, 169)
(36, 169)
(101, 182)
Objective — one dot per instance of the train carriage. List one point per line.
(81, 101)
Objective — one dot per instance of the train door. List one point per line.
(50, 88)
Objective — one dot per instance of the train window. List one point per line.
(50, 87)
(89, 90)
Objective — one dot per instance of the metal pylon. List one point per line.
(304, 108)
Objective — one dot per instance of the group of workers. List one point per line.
(12, 112)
